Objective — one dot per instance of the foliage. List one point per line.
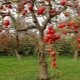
(64, 47)
(24, 49)
(3, 52)
(27, 49)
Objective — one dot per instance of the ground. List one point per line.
(27, 69)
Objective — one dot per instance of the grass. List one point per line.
(68, 69)
(27, 69)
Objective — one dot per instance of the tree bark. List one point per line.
(76, 54)
(18, 55)
(43, 66)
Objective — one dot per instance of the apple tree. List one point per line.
(41, 15)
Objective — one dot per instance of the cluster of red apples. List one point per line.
(63, 2)
(70, 24)
(30, 8)
(3, 7)
(40, 10)
(51, 36)
(52, 54)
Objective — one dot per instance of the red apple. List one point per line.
(62, 2)
(66, 14)
(53, 63)
(24, 12)
(46, 39)
(54, 38)
(49, 36)
(6, 22)
(53, 59)
(76, 30)
(53, 53)
(50, 28)
(57, 37)
(78, 46)
(75, 25)
(70, 5)
(30, 7)
(41, 10)
(48, 32)
(78, 40)
(49, 49)
(52, 31)
(70, 23)
(10, 6)
(52, 11)
(61, 25)
(50, 41)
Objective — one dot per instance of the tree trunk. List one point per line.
(76, 54)
(43, 66)
(18, 55)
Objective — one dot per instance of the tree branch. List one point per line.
(16, 25)
(14, 21)
(45, 22)
(35, 20)
(51, 16)
(28, 27)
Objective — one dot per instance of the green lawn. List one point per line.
(27, 69)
